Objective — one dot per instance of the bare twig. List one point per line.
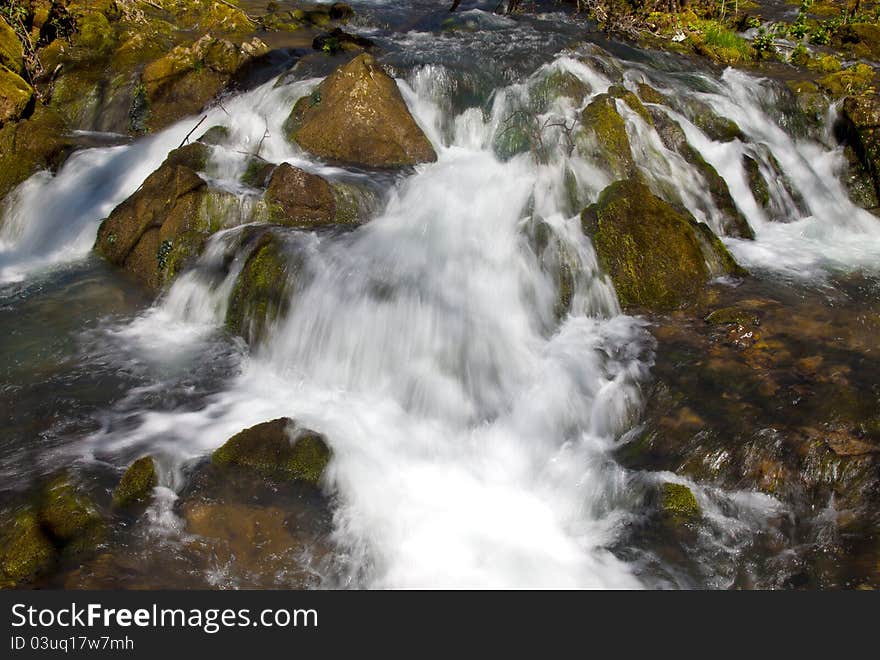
(186, 139)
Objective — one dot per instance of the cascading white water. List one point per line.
(471, 430)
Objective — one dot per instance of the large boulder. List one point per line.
(184, 80)
(358, 116)
(167, 220)
(278, 449)
(657, 256)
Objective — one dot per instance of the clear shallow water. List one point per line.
(473, 431)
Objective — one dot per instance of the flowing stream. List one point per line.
(473, 430)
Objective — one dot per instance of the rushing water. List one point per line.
(472, 429)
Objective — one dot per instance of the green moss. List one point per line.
(853, 80)
(651, 95)
(94, 32)
(137, 484)
(26, 549)
(678, 503)
(277, 450)
(603, 137)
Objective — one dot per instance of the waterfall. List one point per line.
(472, 424)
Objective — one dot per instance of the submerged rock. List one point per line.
(603, 137)
(277, 449)
(358, 116)
(657, 256)
(61, 522)
(137, 484)
(26, 549)
(678, 503)
(167, 220)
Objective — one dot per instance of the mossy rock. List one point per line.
(28, 146)
(165, 223)
(558, 84)
(716, 127)
(137, 484)
(262, 291)
(678, 504)
(67, 515)
(257, 172)
(860, 130)
(358, 116)
(185, 79)
(603, 137)
(650, 95)
(16, 96)
(810, 100)
(11, 50)
(26, 550)
(278, 450)
(757, 182)
(657, 256)
(94, 32)
(215, 135)
(515, 135)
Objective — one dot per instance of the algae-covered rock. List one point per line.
(262, 291)
(657, 256)
(277, 449)
(137, 484)
(25, 550)
(633, 101)
(678, 503)
(603, 137)
(650, 95)
(358, 116)
(167, 220)
(16, 96)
